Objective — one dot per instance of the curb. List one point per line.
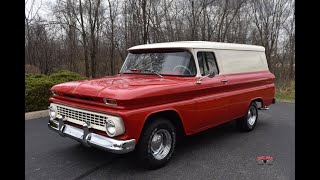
(36, 114)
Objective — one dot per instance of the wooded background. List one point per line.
(91, 37)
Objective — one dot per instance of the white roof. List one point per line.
(199, 45)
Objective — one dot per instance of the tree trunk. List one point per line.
(144, 17)
(84, 37)
(193, 27)
(112, 49)
(86, 60)
(112, 39)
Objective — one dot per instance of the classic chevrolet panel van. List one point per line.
(164, 90)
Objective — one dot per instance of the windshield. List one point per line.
(177, 63)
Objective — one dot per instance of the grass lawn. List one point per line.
(285, 92)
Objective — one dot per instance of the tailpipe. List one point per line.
(264, 108)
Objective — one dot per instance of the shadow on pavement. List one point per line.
(185, 147)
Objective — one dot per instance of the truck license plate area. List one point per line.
(71, 131)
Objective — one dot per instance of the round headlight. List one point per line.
(110, 128)
(52, 112)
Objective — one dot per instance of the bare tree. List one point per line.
(269, 17)
(84, 38)
(92, 36)
(93, 12)
(29, 19)
(289, 47)
(67, 21)
(112, 14)
(145, 21)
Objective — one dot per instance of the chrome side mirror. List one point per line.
(210, 75)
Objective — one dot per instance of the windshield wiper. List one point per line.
(135, 70)
(148, 70)
(154, 72)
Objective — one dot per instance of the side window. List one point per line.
(207, 62)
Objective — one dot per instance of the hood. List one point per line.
(123, 87)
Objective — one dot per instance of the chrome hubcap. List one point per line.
(252, 115)
(161, 144)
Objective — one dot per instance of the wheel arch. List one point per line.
(172, 115)
(257, 99)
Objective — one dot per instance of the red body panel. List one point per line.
(200, 106)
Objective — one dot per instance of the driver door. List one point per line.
(211, 103)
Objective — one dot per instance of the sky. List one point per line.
(42, 5)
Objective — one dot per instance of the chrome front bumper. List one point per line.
(92, 139)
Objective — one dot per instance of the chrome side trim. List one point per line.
(92, 139)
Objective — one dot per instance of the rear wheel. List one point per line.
(157, 143)
(249, 121)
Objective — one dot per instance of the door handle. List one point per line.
(224, 80)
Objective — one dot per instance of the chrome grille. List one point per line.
(81, 115)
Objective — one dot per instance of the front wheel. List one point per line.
(249, 121)
(157, 143)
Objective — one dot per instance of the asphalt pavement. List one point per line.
(218, 153)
